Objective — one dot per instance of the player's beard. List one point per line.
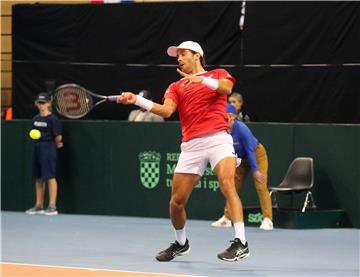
(184, 68)
(188, 68)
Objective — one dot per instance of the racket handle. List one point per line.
(112, 98)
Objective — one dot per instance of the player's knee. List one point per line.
(176, 204)
(227, 186)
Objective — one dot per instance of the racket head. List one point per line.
(73, 101)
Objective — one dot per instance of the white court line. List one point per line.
(100, 269)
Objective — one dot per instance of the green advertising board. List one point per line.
(126, 168)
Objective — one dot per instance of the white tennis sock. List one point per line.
(240, 231)
(181, 236)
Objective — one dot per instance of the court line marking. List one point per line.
(99, 269)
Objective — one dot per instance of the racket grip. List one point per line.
(112, 98)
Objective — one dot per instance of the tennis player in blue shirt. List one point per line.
(253, 158)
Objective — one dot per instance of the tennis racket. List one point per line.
(74, 101)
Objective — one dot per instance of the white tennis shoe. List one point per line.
(266, 224)
(222, 222)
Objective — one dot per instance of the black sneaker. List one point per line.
(236, 251)
(175, 249)
(35, 210)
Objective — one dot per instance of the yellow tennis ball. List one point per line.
(35, 134)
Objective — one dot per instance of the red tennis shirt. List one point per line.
(202, 110)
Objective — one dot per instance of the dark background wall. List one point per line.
(99, 167)
(112, 48)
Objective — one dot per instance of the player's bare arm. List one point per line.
(224, 85)
(165, 110)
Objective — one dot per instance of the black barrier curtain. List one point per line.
(294, 61)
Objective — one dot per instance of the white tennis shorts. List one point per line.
(198, 152)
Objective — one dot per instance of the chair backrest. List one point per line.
(300, 174)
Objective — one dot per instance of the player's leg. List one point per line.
(225, 172)
(225, 220)
(188, 171)
(262, 189)
(223, 163)
(182, 186)
(240, 175)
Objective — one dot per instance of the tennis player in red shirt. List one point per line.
(200, 97)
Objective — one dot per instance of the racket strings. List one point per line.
(73, 102)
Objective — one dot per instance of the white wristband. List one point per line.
(144, 103)
(210, 83)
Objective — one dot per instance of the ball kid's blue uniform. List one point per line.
(245, 143)
(44, 155)
(254, 158)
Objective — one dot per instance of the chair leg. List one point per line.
(274, 203)
(308, 201)
(305, 202)
(313, 205)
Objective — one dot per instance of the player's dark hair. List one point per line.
(202, 58)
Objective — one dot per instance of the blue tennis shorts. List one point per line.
(44, 160)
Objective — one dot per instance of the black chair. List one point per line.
(299, 178)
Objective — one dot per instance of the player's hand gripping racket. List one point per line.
(74, 101)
